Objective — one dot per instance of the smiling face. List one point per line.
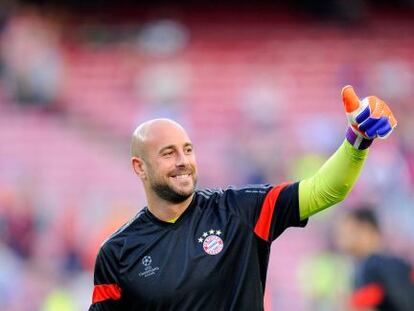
(172, 171)
(165, 161)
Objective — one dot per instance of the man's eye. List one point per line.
(169, 153)
(189, 150)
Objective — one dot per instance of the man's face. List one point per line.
(348, 236)
(170, 165)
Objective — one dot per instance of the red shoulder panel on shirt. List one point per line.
(368, 296)
(106, 291)
(262, 227)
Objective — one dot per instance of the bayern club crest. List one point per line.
(212, 242)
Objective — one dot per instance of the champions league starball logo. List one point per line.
(212, 242)
(146, 261)
(148, 269)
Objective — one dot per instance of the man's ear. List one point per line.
(138, 167)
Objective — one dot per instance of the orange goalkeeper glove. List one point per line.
(368, 118)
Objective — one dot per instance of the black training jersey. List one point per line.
(384, 282)
(214, 257)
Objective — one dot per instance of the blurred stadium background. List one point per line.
(76, 78)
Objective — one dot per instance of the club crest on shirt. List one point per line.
(211, 241)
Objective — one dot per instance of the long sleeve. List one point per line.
(107, 295)
(333, 181)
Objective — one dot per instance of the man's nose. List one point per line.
(182, 159)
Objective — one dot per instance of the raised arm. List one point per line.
(368, 119)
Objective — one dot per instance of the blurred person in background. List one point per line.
(209, 249)
(33, 60)
(382, 281)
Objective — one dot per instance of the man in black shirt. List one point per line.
(209, 249)
(382, 282)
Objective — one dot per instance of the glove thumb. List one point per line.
(350, 99)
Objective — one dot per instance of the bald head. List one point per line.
(150, 131)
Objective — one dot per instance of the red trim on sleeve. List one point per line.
(368, 296)
(412, 275)
(106, 291)
(262, 227)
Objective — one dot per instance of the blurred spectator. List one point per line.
(10, 276)
(19, 224)
(259, 141)
(162, 87)
(382, 281)
(163, 37)
(32, 59)
(395, 79)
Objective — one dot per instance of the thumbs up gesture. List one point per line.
(368, 118)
